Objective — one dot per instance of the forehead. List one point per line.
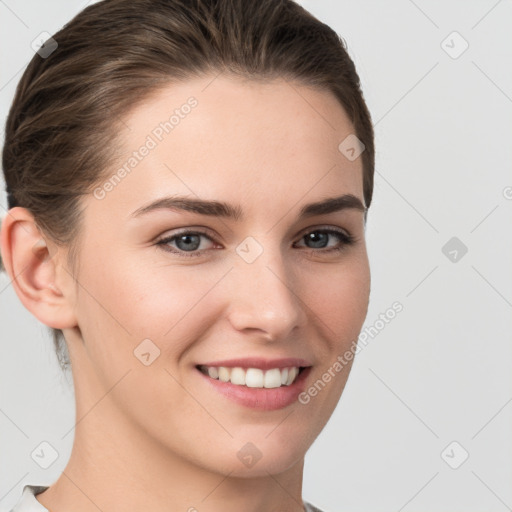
(219, 136)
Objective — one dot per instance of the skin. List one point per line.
(156, 437)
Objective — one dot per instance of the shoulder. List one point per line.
(28, 502)
(311, 508)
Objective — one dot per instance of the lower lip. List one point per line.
(264, 399)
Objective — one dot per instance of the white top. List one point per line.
(28, 502)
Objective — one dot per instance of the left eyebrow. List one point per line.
(222, 209)
(331, 205)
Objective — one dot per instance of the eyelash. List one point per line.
(345, 238)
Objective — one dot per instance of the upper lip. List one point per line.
(259, 362)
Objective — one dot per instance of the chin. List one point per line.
(266, 465)
(259, 458)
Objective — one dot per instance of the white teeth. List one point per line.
(272, 378)
(224, 374)
(253, 377)
(238, 376)
(291, 375)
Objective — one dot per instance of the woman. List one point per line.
(188, 185)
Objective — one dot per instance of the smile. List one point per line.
(256, 382)
(253, 377)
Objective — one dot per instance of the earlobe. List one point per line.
(33, 270)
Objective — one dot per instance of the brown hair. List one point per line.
(60, 135)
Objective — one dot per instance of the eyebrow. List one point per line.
(221, 209)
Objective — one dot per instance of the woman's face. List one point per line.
(254, 281)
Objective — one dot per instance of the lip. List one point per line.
(259, 362)
(263, 399)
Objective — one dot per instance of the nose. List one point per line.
(265, 298)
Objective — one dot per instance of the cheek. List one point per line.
(339, 297)
(129, 303)
(338, 303)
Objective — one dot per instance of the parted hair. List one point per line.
(65, 122)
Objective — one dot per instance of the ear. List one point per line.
(36, 275)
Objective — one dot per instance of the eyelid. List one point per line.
(165, 239)
(203, 230)
(324, 227)
(347, 238)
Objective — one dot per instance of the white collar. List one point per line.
(28, 502)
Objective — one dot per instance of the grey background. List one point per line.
(440, 371)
